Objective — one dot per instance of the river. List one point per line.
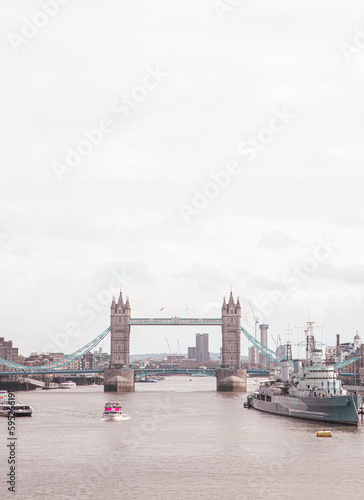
(179, 439)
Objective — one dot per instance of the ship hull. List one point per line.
(337, 409)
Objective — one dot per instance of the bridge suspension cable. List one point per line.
(345, 363)
(263, 348)
(68, 359)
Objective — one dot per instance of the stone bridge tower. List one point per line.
(119, 376)
(120, 333)
(231, 324)
(230, 377)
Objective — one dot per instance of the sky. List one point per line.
(176, 149)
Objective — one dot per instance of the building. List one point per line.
(253, 357)
(175, 359)
(88, 362)
(202, 347)
(330, 354)
(102, 358)
(343, 350)
(263, 358)
(8, 352)
(191, 353)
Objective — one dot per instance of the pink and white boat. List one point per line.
(113, 410)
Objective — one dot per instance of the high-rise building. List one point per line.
(202, 347)
(263, 358)
(191, 352)
(253, 357)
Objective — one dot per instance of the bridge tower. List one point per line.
(230, 377)
(231, 324)
(120, 332)
(119, 377)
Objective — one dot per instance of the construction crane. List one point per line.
(256, 321)
(179, 353)
(170, 350)
(275, 341)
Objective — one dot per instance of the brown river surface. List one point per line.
(179, 439)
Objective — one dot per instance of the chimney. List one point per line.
(337, 344)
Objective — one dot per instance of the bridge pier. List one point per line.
(231, 379)
(119, 380)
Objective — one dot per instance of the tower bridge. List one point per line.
(120, 376)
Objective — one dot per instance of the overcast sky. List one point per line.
(178, 148)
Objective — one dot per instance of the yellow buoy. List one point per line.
(326, 434)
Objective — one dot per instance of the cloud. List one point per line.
(275, 240)
(203, 278)
(124, 273)
(348, 219)
(348, 275)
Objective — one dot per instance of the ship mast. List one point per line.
(310, 339)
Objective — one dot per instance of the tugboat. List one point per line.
(307, 389)
(112, 411)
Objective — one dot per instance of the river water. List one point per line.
(179, 439)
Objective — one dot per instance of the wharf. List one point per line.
(14, 386)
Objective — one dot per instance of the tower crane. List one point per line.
(256, 321)
(170, 350)
(179, 354)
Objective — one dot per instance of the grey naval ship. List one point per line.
(307, 389)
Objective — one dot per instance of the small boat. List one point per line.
(19, 410)
(112, 410)
(67, 385)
